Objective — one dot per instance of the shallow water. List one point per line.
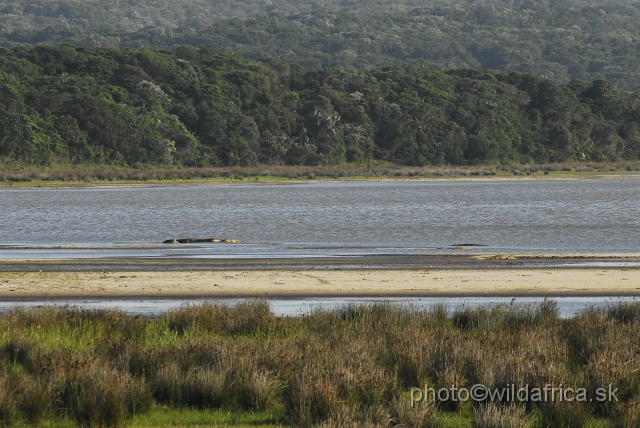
(567, 306)
(323, 219)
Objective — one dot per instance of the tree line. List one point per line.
(562, 40)
(200, 107)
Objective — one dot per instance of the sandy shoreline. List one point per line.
(320, 283)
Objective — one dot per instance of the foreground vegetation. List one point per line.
(198, 107)
(345, 368)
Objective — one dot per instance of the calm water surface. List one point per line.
(323, 219)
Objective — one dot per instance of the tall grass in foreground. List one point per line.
(351, 367)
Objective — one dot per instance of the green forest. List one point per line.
(327, 82)
(563, 40)
(200, 107)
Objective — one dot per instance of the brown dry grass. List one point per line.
(344, 368)
(88, 174)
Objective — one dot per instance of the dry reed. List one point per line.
(349, 367)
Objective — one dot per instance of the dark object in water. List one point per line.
(468, 245)
(196, 240)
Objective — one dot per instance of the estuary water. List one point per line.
(323, 219)
(567, 306)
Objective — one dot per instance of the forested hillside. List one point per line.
(562, 40)
(128, 15)
(200, 107)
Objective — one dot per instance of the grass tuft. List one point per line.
(36, 398)
(494, 415)
(205, 388)
(7, 401)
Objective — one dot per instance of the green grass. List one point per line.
(162, 416)
(213, 365)
(462, 419)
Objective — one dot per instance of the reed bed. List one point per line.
(79, 174)
(350, 367)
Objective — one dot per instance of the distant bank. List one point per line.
(104, 176)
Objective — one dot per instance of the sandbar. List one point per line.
(338, 282)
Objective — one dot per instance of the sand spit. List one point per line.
(318, 283)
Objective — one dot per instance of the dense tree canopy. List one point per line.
(201, 107)
(559, 39)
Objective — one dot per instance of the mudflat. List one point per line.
(320, 282)
(464, 259)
